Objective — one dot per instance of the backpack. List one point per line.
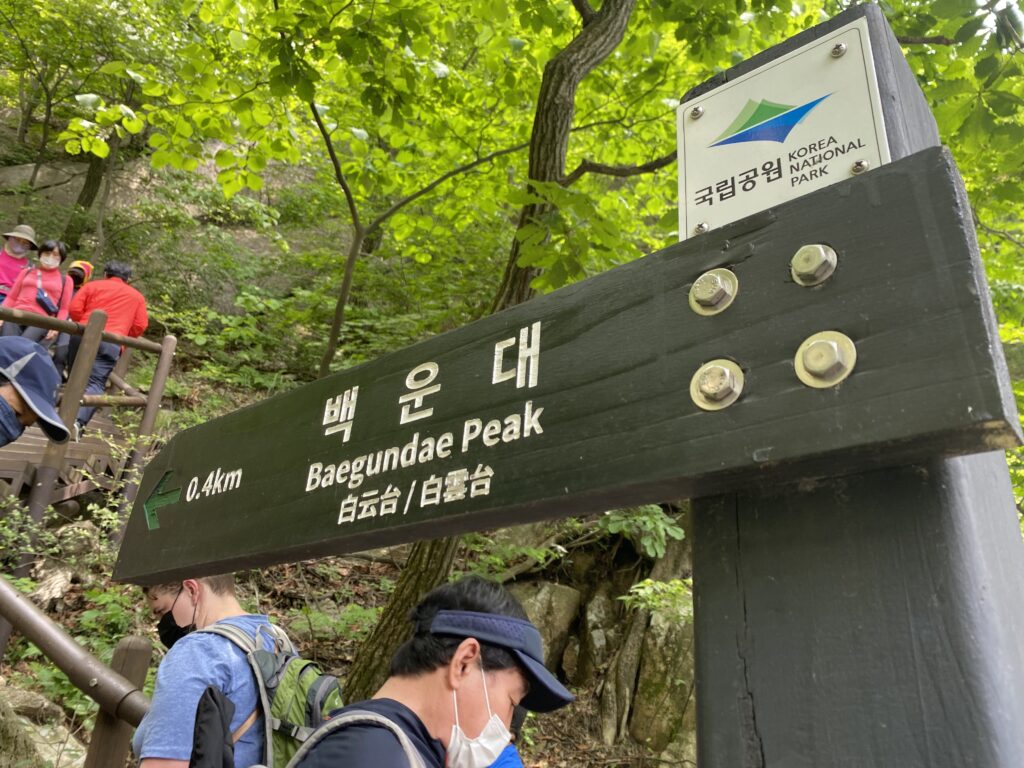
(294, 695)
(357, 717)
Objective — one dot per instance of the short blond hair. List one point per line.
(223, 584)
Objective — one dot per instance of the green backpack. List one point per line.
(294, 695)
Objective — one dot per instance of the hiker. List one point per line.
(41, 291)
(14, 255)
(126, 315)
(453, 687)
(28, 391)
(79, 272)
(194, 661)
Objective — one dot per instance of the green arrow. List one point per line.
(160, 498)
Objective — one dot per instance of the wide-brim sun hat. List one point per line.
(28, 368)
(25, 232)
(519, 637)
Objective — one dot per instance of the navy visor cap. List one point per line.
(519, 637)
(28, 368)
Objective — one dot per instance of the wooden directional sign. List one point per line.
(581, 400)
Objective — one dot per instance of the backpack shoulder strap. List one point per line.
(249, 644)
(237, 635)
(360, 717)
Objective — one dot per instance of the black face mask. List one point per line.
(167, 628)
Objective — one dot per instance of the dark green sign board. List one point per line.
(581, 400)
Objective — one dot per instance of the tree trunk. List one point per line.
(47, 115)
(101, 213)
(28, 100)
(354, 249)
(549, 140)
(428, 566)
(430, 562)
(78, 223)
(620, 680)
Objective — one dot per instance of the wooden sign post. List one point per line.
(817, 333)
(870, 619)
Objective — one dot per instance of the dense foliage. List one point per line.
(296, 175)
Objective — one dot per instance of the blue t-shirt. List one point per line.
(197, 660)
(375, 745)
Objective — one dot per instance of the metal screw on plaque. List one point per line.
(860, 166)
(696, 112)
(825, 359)
(701, 228)
(838, 50)
(716, 385)
(713, 291)
(813, 264)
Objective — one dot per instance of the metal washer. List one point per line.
(726, 276)
(716, 405)
(846, 346)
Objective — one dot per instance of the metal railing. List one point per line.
(117, 690)
(118, 695)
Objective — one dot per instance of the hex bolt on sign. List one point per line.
(713, 291)
(813, 264)
(825, 359)
(716, 385)
(838, 50)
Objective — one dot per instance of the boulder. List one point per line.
(16, 748)
(30, 704)
(79, 538)
(663, 710)
(553, 609)
(571, 661)
(602, 632)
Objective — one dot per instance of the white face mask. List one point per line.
(16, 248)
(49, 262)
(464, 752)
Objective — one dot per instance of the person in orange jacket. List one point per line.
(126, 315)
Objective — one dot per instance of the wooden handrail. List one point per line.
(77, 329)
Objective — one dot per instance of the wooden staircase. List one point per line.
(88, 463)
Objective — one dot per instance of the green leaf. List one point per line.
(113, 68)
(224, 158)
(133, 124)
(969, 30)
(951, 8)
(985, 67)
(305, 89)
(100, 148)
(237, 40)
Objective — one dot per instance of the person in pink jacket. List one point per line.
(18, 244)
(42, 290)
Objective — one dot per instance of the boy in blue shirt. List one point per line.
(195, 660)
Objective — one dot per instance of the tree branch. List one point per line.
(585, 11)
(589, 166)
(338, 175)
(1015, 239)
(399, 204)
(932, 40)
